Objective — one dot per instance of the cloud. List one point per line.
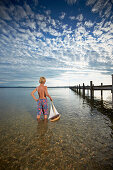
(31, 24)
(35, 2)
(19, 13)
(97, 32)
(40, 17)
(39, 34)
(98, 6)
(104, 8)
(4, 14)
(62, 15)
(53, 22)
(2, 82)
(42, 25)
(71, 2)
(16, 12)
(80, 17)
(88, 24)
(48, 12)
(72, 17)
(90, 2)
(37, 43)
(28, 10)
(108, 10)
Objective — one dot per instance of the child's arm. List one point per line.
(32, 94)
(47, 94)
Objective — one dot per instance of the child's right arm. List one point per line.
(47, 94)
(32, 94)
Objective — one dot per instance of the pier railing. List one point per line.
(92, 88)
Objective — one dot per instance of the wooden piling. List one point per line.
(91, 89)
(101, 92)
(79, 88)
(83, 89)
(112, 90)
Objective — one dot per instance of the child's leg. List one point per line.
(38, 116)
(45, 108)
(39, 109)
(45, 116)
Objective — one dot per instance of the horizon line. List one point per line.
(33, 87)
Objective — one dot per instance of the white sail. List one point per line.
(56, 112)
(53, 111)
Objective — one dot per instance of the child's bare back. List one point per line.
(41, 89)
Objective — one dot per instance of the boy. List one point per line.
(42, 105)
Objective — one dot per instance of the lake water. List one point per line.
(82, 138)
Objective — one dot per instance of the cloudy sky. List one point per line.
(67, 41)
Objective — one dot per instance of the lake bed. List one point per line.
(81, 139)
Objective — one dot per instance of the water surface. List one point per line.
(81, 139)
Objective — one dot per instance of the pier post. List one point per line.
(83, 90)
(76, 89)
(79, 88)
(112, 90)
(91, 89)
(101, 92)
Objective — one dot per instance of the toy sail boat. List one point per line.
(54, 115)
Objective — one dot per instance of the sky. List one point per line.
(69, 42)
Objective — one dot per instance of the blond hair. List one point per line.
(42, 80)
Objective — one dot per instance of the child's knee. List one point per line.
(38, 116)
(45, 116)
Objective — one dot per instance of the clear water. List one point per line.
(81, 139)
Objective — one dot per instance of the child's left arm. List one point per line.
(32, 94)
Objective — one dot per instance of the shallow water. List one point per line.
(81, 139)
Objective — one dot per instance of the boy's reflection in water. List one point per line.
(42, 127)
(44, 137)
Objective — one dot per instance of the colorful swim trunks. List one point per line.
(42, 107)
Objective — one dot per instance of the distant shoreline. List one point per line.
(35, 87)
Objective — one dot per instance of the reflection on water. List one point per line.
(81, 139)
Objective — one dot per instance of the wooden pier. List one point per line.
(92, 88)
